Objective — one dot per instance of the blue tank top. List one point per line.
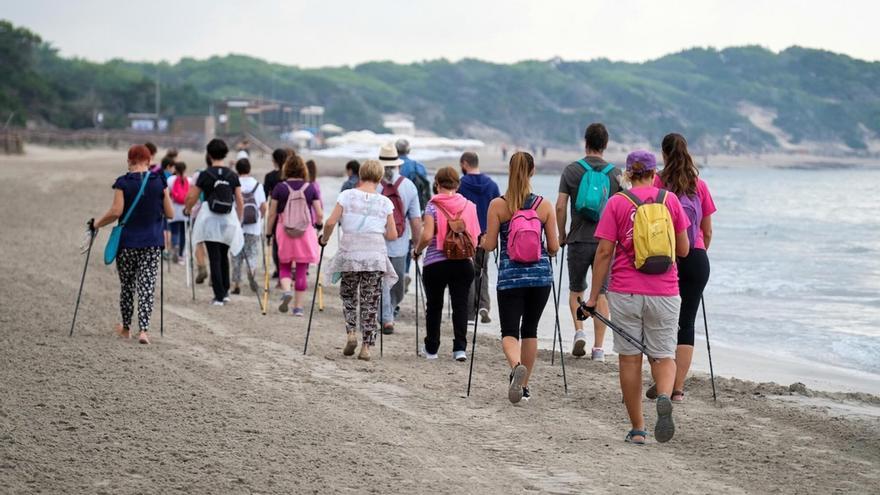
(513, 275)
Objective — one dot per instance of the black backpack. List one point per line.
(221, 198)
(424, 189)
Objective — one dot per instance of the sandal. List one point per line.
(677, 396)
(630, 437)
(651, 393)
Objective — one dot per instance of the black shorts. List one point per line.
(580, 259)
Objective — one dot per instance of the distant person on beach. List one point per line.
(140, 246)
(644, 301)
(414, 171)
(179, 185)
(681, 177)
(367, 223)
(243, 151)
(167, 168)
(524, 272)
(251, 226)
(479, 189)
(279, 156)
(446, 212)
(218, 223)
(580, 238)
(154, 167)
(290, 211)
(404, 196)
(352, 169)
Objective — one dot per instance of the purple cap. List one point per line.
(646, 158)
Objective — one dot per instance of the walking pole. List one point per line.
(314, 292)
(561, 262)
(584, 312)
(708, 348)
(320, 294)
(92, 235)
(251, 275)
(476, 321)
(162, 300)
(192, 265)
(559, 333)
(418, 276)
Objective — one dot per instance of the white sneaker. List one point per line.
(217, 303)
(459, 356)
(598, 354)
(428, 356)
(580, 344)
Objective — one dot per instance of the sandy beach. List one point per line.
(226, 402)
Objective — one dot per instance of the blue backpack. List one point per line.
(593, 191)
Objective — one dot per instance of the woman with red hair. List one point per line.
(142, 240)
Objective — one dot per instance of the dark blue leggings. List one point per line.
(693, 275)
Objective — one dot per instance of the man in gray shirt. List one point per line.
(580, 237)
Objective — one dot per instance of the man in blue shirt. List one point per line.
(415, 172)
(480, 190)
(400, 250)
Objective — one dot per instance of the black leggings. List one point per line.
(520, 310)
(457, 275)
(218, 257)
(693, 275)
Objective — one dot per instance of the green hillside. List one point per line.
(817, 96)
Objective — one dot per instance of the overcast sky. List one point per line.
(314, 33)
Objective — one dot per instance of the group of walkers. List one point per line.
(642, 233)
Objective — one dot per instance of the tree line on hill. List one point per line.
(816, 96)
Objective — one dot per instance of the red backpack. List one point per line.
(392, 192)
(179, 190)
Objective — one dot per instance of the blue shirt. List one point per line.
(480, 190)
(410, 168)
(145, 227)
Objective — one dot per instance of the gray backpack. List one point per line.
(251, 212)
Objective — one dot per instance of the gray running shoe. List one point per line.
(517, 377)
(598, 355)
(484, 316)
(665, 427)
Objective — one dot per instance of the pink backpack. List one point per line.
(524, 234)
(297, 216)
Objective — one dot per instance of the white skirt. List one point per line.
(214, 227)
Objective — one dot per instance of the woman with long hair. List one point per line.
(141, 242)
(523, 284)
(362, 263)
(440, 272)
(681, 177)
(178, 184)
(297, 248)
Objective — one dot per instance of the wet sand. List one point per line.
(226, 402)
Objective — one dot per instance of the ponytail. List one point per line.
(522, 165)
(679, 173)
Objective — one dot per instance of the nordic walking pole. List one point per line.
(314, 293)
(192, 263)
(708, 348)
(265, 295)
(92, 235)
(162, 300)
(559, 333)
(252, 274)
(561, 262)
(476, 321)
(585, 312)
(416, 262)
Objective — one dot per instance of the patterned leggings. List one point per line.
(247, 255)
(138, 270)
(370, 290)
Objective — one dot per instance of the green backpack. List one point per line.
(593, 191)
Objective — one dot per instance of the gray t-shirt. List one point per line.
(582, 229)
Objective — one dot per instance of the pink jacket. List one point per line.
(454, 205)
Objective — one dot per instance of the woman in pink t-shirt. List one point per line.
(680, 176)
(644, 305)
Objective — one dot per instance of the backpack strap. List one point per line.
(608, 168)
(136, 199)
(398, 182)
(661, 196)
(536, 201)
(255, 188)
(631, 197)
(584, 164)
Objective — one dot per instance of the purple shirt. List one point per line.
(281, 192)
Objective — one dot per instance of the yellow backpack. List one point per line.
(653, 234)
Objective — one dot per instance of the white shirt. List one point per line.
(247, 184)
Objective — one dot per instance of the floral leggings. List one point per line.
(370, 287)
(138, 270)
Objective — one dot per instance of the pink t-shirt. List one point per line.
(616, 225)
(706, 204)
